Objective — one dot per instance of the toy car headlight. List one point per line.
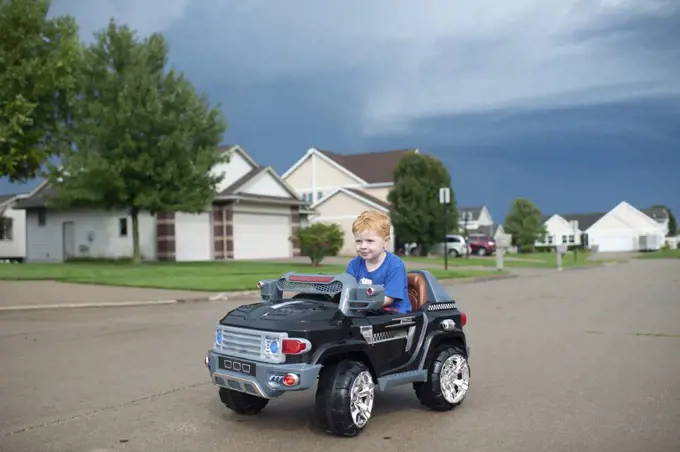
(218, 337)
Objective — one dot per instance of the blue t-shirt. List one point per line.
(391, 274)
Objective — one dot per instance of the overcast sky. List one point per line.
(572, 103)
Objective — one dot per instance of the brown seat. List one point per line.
(417, 291)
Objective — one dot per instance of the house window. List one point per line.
(564, 239)
(42, 218)
(6, 228)
(123, 227)
(571, 239)
(550, 240)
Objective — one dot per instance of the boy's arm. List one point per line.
(394, 282)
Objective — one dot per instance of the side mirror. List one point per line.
(269, 290)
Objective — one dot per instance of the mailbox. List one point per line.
(562, 249)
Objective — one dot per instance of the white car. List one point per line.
(456, 246)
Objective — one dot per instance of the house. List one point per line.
(252, 216)
(475, 219)
(623, 228)
(340, 187)
(12, 229)
(566, 229)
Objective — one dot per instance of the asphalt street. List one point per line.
(582, 360)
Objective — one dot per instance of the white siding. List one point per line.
(15, 248)
(96, 231)
(265, 184)
(193, 237)
(237, 167)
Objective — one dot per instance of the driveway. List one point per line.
(582, 361)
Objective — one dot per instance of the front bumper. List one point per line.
(267, 379)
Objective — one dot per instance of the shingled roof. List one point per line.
(373, 167)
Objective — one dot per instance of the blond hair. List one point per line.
(372, 220)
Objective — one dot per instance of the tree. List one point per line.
(672, 222)
(524, 223)
(144, 140)
(39, 58)
(415, 211)
(319, 240)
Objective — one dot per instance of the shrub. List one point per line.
(319, 240)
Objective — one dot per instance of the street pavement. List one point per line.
(583, 360)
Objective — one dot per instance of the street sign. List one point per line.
(445, 195)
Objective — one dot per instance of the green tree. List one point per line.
(144, 139)
(319, 240)
(417, 215)
(524, 223)
(39, 58)
(672, 222)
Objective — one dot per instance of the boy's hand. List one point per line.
(388, 301)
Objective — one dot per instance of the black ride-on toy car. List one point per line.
(331, 329)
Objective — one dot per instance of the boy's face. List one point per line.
(369, 244)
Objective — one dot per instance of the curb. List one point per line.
(223, 296)
(478, 279)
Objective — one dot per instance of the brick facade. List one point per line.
(223, 231)
(165, 236)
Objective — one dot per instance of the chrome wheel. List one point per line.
(455, 378)
(362, 394)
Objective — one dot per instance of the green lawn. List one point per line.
(661, 254)
(203, 276)
(533, 260)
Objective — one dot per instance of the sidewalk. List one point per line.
(22, 295)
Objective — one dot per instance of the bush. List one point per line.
(319, 240)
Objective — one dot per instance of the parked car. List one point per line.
(455, 246)
(481, 245)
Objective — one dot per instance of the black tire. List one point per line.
(481, 252)
(454, 253)
(431, 393)
(334, 397)
(242, 403)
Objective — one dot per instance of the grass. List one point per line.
(198, 276)
(532, 260)
(661, 254)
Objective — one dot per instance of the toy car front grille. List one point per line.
(294, 286)
(241, 343)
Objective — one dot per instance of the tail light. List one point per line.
(463, 319)
(295, 346)
(369, 291)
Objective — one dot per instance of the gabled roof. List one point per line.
(235, 190)
(656, 213)
(359, 195)
(586, 220)
(366, 168)
(373, 167)
(475, 211)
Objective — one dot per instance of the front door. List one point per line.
(69, 239)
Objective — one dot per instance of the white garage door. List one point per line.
(614, 243)
(261, 236)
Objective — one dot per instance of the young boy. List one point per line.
(374, 264)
